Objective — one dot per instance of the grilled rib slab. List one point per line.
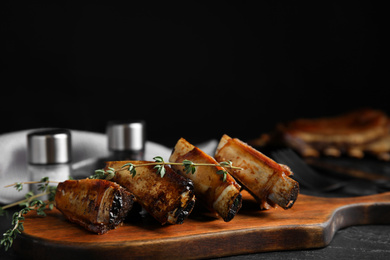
(169, 199)
(219, 196)
(353, 133)
(97, 205)
(265, 179)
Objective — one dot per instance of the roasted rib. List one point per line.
(354, 133)
(169, 199)
(219, 196)
(265, 179)
(97, 205)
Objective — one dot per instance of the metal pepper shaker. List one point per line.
(126, 139)
(49, 155)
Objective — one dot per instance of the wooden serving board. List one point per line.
(310, 223)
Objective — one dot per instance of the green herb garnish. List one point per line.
(31, 202)
(159, 165)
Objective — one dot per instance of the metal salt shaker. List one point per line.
(49, 155)
(126, 140)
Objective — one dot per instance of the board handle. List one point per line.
(370, 199)
(363, 210)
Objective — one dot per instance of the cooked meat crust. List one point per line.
(223, 197)
(360, 132)
(97, 205)
(169, 199)
(265, 179)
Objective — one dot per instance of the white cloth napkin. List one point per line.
(85, 145)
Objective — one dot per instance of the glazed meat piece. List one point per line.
(265, 179)
(97, 205)
(223, 197)
(379, 148)
(354, 133)
(169, 199)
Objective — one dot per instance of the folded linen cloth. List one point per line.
(85, 146)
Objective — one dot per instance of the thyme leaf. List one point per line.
(31, 202)
(224, 174)
(18, 186)
(160, 169)
(104, 174)
(159, 166)
(131, 168)
(189, 166)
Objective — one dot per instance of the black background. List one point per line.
(189, 68)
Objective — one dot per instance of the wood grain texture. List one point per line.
(311, 223)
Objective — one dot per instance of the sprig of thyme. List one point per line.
(29, 203)
(159, 165)
(104, 174)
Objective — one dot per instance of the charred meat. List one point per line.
(223, 197)
(169, 199)
(265, 179)
(359, 132)
(97, 205)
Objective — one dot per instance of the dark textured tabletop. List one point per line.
(357, 242)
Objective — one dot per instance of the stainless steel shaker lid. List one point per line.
(126, 135)
(49, 146)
